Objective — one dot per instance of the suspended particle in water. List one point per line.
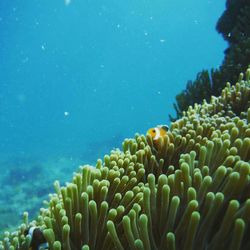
(67, 2)
(43, 47)
(66, 113)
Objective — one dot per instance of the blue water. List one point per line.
(77, 77)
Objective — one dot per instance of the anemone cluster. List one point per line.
(191, 191)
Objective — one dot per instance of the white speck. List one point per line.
(158, 92)
(66, 113)
(162, 40)
(67, 2)
(151, 18)
(145, 33)
(229, 34)
(118, 26)
(196, 21)
(43, 47)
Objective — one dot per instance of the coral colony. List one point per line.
(234, 26)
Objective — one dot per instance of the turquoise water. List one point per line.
(77, 77)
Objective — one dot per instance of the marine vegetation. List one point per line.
(234, 25)
(191, 191)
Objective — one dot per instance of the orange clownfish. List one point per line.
(158, 132)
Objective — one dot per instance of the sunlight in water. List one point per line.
(67, 2)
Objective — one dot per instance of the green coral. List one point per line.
(234, 25)
(192, 191)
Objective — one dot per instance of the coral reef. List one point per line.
(191, 192)
(234, 25)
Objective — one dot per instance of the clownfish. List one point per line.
(158, 131)
(37, 239)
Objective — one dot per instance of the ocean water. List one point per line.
(78, 77)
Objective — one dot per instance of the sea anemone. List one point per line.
(191, 192)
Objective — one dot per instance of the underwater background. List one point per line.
(77, 77)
